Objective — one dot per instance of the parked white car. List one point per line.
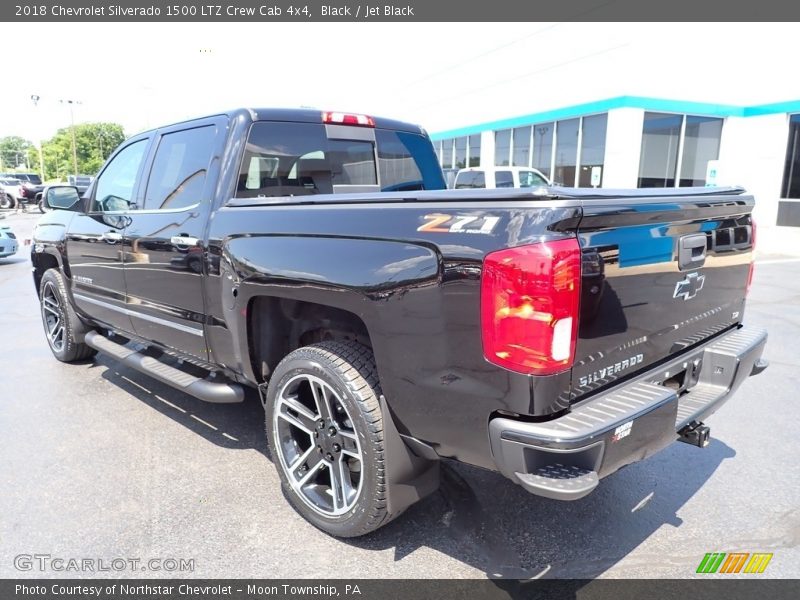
(10, 192)
(8, 241)
(499, 177)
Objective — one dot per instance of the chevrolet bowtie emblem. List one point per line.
(689, 287)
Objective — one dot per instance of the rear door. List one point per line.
(659, 275)
(164, 264)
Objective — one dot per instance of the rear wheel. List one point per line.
(7, 201)
(325, 429)
(61, 324)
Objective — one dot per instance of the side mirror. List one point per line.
(61, 197)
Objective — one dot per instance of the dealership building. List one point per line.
(643, 142)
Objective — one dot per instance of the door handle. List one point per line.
(184, 240)
(692, 251)
(112, 237)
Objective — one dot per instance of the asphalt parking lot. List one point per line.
(98, 461)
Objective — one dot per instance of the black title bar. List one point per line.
(304, 11)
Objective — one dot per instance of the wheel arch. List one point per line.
(278, 325)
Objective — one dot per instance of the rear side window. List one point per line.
(504, 179)
(179, 168)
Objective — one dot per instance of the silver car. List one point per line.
(8, 241)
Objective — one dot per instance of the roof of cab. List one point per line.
(297, 115)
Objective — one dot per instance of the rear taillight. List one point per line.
(530, 298)
(752, 256)
(337, 118)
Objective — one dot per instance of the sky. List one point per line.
(440, 75)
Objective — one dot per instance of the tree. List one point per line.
(17, 152)
(94, 142)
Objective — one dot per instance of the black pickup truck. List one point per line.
(553, 335)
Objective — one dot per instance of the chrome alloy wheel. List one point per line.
(53, 316)
(317, 445)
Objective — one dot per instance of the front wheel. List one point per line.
(61, 325)
(7, 201)
(325, 429)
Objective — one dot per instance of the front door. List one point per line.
(95, 239)
(165, 250)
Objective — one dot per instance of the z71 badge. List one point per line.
(439, 223)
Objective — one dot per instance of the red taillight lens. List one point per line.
(337, 118)
(530, 298)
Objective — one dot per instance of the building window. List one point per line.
(668, 138)
(502, 147)
(461, 152)
(522, 147)
(700, 144)
(593, 150)
(543, 146)
(791, 171)
(659, 156)
(474, 151)
(447, 153)
(566, 152)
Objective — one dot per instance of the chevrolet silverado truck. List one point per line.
(387, 323)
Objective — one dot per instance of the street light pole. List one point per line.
(36, 99)
(72, 129)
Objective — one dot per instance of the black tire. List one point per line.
(57, 312)
(42, 208)
(7, 201)
(348, 370)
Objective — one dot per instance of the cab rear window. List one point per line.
(292, 159)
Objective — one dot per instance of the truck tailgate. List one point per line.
(660, 275)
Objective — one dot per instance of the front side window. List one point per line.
(530, 179)
(116, 184)
(179, 168)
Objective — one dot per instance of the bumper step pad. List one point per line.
(560, 482)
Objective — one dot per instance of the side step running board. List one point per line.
(218, 393)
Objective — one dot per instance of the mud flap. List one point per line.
(409, 476)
